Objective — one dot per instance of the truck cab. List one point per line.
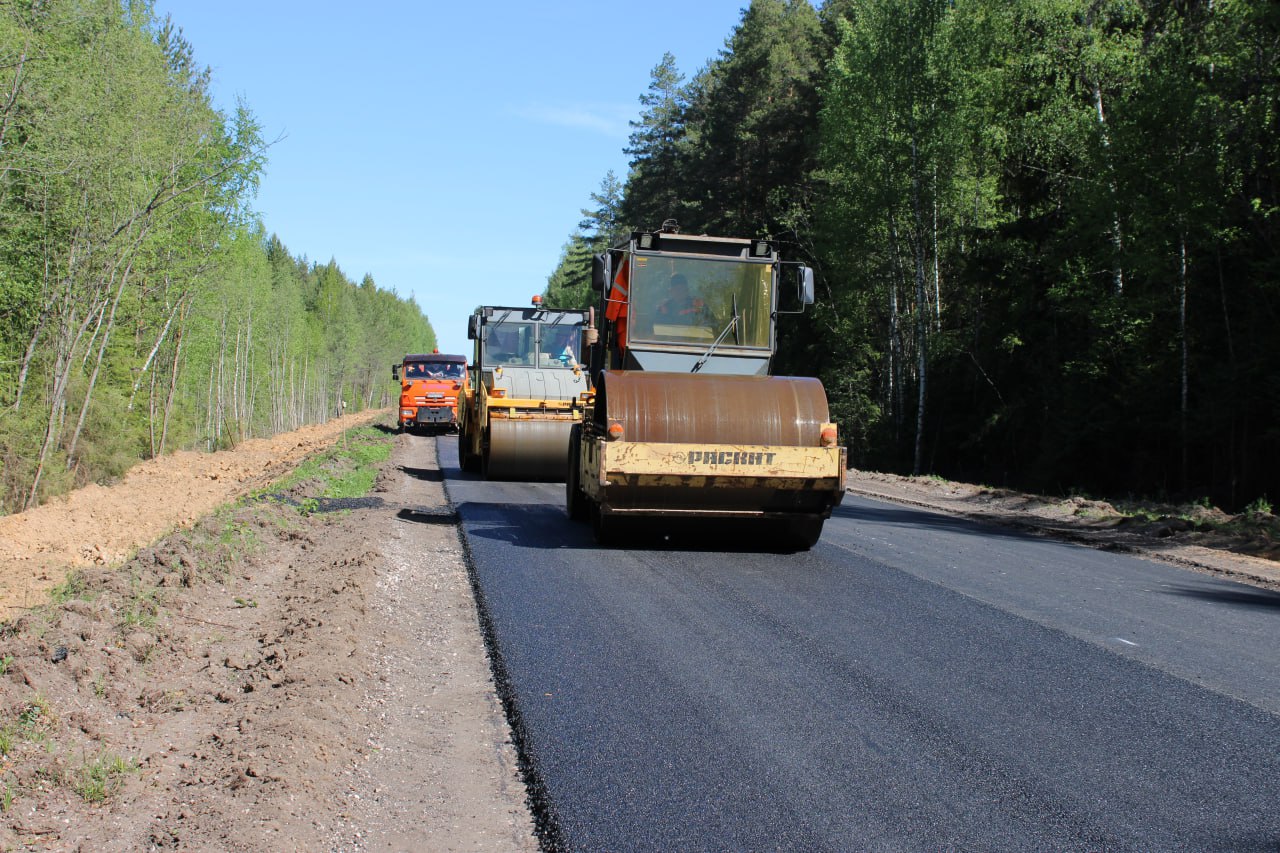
(429, 388)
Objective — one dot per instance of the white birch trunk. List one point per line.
(97, 368)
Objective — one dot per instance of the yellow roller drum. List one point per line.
(527, 449)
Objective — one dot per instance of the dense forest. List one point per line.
(1046, 232)
(143, 307)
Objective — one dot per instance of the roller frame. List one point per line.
(656, 480)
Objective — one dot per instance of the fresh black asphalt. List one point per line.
(915, 682)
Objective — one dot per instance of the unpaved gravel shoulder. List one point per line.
(441, 772)
(265, 680)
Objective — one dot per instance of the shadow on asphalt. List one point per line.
(536, 526)
(523, 525)
(430, 475)
(1257, 598)
(925, 519)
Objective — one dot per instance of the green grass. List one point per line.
(70, 589)
(37, 711)
(31, 726)
(1261, 506)
(366, 452)
(100, 777)
(236, 534)
(354, 485)
(347, 470)
(142, 607)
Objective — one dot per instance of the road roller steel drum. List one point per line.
(523, 447)
(688, 408)
(676, 444)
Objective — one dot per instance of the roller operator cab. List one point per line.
(686, 420)
(429, 389)
(529, 380)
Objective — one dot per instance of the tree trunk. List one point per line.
(234, 432)
(97, 367)
(1117, 235)
(1186, 367)
(895, 334)
(164, 333)
(6, 112)
(173, 379)
(68, 341)
(937, 262)
(29, 355)
(922, 313)
(248, 384)
(151, 417)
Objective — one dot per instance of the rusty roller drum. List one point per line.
(688, 408)
(678, 408)
(527, 449)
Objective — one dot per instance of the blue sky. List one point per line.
(444, 148)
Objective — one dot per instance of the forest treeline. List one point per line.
(1046, 232)
(143, 307)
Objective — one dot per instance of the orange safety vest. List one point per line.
(616, 306)
(695, 307)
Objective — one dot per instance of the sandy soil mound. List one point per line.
(101, 525)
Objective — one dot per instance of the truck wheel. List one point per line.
(575, 500)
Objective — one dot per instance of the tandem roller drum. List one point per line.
(526, 449)
(685, 408)
(785, 413)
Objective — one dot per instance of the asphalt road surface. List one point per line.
(915, 682)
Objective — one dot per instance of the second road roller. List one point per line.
(527, 380)
(685, 419)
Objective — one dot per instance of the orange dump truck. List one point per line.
(429, 386)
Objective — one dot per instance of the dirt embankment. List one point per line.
(273, 678)
(101, 525)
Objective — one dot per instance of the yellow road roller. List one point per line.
(514, 421)
(685, 419)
